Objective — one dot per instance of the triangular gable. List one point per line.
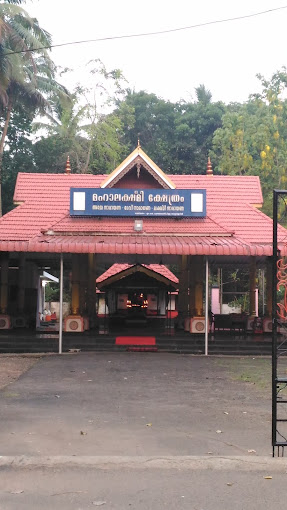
(126, 270)
(140, 159)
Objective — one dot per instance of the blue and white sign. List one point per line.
(141, 202)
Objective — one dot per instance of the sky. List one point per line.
(225, 57)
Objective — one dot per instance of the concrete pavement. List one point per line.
(136, 430)
(132, 404)
(143, 484)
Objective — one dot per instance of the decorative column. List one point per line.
(91, 298)
(75, 322)
(21, 284)
(5, 322)
(183, 292)
(83, 268)
(75, 284)
(84, 276)
(191, 284)
(197, 321)
(252, 287)
(199, 276)
(4, 282)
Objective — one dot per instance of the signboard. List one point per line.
(141, 202)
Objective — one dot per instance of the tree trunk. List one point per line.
(2, 142)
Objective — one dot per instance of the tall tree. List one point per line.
(203, 95)
(178, 136)
(253, 137)
(62, 135)
(151, 120)
(27, 74)
(18, 155)
(86, 128)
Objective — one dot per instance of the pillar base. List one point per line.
(19, 321)
(86, 323)
(249, 323)
(267, 326)
(197, 325)
(187, 324)
(74, 324)
(5, 321)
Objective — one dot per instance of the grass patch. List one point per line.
(253, 371)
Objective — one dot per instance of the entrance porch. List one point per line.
(143, 299)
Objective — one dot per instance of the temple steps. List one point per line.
(181, 343)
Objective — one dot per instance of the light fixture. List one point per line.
(138, 226)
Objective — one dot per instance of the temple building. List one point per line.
(136, 244)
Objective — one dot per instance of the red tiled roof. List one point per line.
(138, 244)
(156, 268)
(42, 222)
(30, 185)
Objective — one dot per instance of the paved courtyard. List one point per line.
(139, 430)
(133, 404)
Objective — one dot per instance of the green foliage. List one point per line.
(253, 138)
(50, 154)
(27, 78)
(177, 136)
(80, 129)
(52, 291)
(18, 156)
(149, 119)
(107, 149)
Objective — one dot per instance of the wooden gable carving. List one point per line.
(136, 165)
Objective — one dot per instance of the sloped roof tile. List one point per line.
(42, 222)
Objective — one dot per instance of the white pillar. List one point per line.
(206, 306)
(61, 305)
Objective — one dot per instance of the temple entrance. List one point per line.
(140, 251)
(137, 298)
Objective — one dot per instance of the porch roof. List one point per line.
(118, 271)
(138, 244)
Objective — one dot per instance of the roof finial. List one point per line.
(209, 170)
(139, 144)
(68, 166)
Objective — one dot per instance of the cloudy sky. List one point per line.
(225, 57)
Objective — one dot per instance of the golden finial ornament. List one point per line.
(209, 170)
(68, 166)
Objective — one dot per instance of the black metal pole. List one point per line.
(274, 318)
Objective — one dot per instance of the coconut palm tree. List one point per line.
(27, 73)
(20, 37)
